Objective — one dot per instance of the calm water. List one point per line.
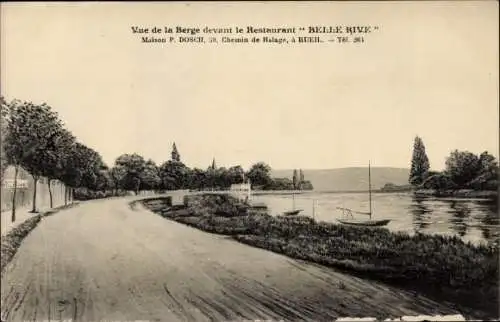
(476, 221)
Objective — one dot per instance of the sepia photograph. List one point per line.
(249, 161)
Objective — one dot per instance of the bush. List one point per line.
(439, 182)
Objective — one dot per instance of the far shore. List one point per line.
(466, 194)
(459, 194)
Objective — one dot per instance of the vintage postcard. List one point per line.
(249, 161)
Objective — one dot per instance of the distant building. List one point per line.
(242, 190)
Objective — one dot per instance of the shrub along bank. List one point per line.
(442, 267)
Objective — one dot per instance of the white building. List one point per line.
(242, 190)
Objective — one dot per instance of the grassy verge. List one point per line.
(445, 268)
(11, 242)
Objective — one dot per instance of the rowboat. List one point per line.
(372, 223)
(348, 217)
(292, 212)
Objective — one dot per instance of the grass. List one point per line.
(444, 267)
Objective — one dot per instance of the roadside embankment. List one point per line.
(11, 242)
(442, 267)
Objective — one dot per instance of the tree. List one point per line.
(301, 178)
(92, 167)
(32, 135)
(4, 120)
(487, 178)
(56, 155)
(74, 167)
(197, 179)
(117, 174)
(174, 175)
(307, 185)
(259, 174)
(104, 182)
(236, 175)
(295, 179)
(223, 178)
(211, 175)
(439, 182)
(134, 165)
(281, 184)
(175, 155)
(462, 167)
(419, 163)
(150, 177)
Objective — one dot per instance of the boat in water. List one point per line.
(293, 212)
(348, 217)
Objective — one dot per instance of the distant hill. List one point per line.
(349, 179)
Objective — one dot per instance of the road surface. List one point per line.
(103, 260)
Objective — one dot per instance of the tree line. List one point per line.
(463, 170)
(34, 138)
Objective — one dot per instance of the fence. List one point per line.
(25, 189)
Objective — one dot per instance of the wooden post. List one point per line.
(370, 188)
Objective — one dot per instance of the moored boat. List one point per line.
(372, 223)
(348, 218)
(292, 212)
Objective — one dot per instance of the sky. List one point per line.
(430, 70)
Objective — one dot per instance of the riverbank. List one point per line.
(441, 267)
(466, 194)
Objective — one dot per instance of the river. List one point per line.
(473, 220)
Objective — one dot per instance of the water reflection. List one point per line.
(460, 214)
(489, 219)
(473, 220)
(420, 212)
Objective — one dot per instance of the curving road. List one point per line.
(103, 260)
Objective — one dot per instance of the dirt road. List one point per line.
(103, 260)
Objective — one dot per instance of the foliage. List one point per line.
(32, 130)
(259, 174)
(4, 118)
(470, 171)
(487, 178)
(419, 163)
(133, 165)
(295, 179)
(174, 175)
(306, 185)
(117, 174)
(150, 176)
(462, 167)
(175, 154)
(83, 194)
(236, 175)
(440, 182)
(281, 184)
(197, 179)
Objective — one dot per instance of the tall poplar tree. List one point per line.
(295, 179)
(419, 163)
